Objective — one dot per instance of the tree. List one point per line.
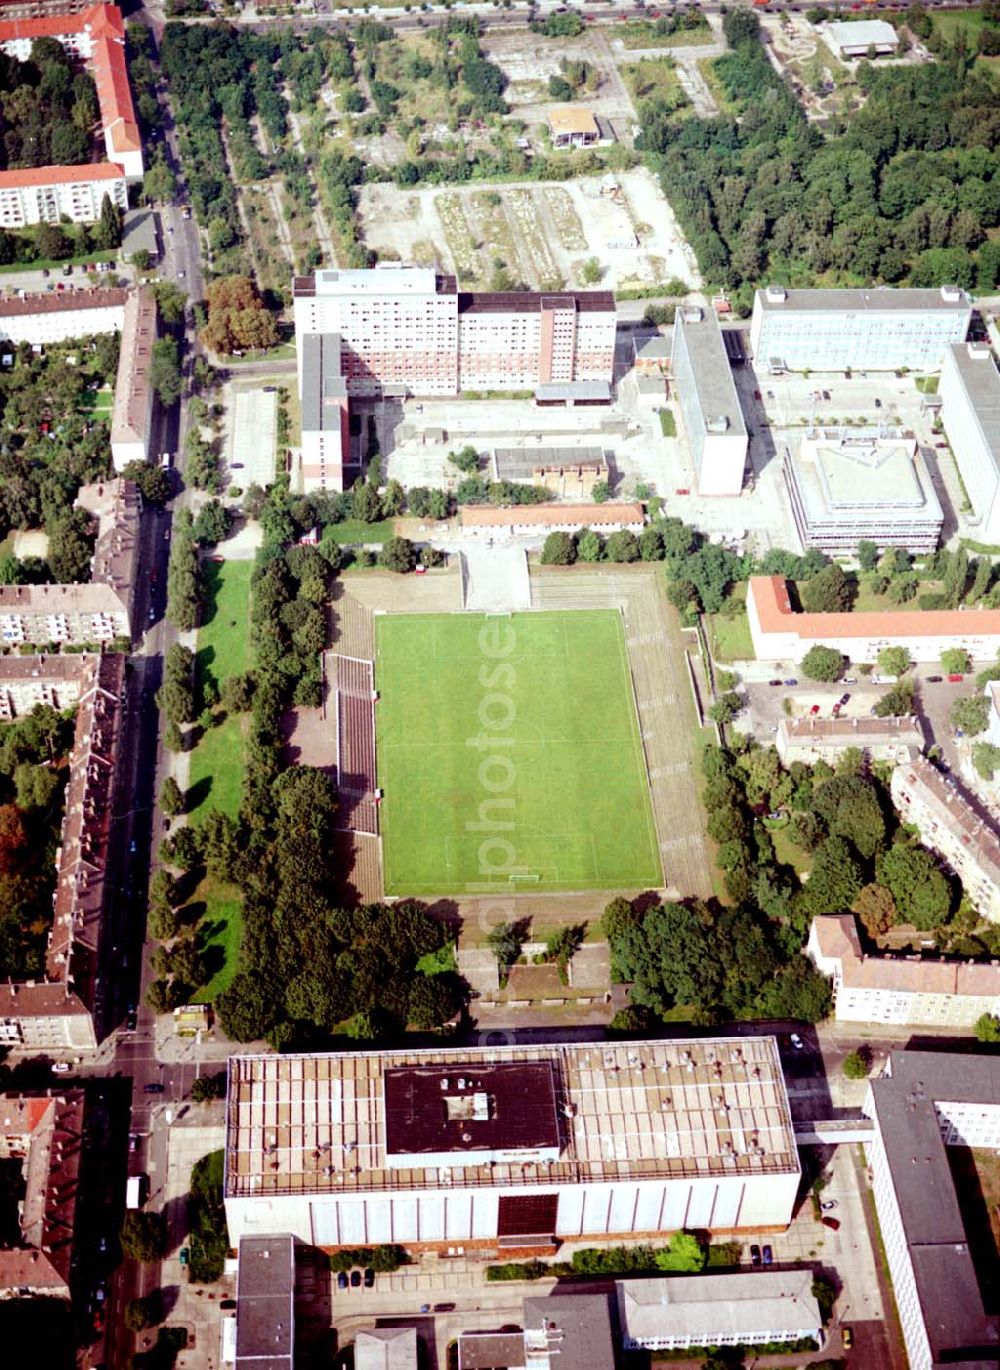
(208, 1087)
(726, 707)
(165, 371)
(682, 1253)
(434, 1000)
(144, 1236)
(601, 492)
(53, 242)
(505, 942)
(108, 231)
(398, 554)
(213, 523)
(366, 505)
(894, 660)
(589, 546)
(897, 702)
(152, 480)
(835, 879)
(171, 797)
(857, 1064)
(876, 908)
(920, 890)
(158, 184)
(237, 693)
(622, 546)
(988, 1028)
(828, 592)
(466, 459)
(559, 550)
(237, 317)
(590, 270)
(823, 663)
(956, 661)
(867, 555)
(70, 546)
(971, 714)
(985, 759)
(142, 1313)
(650, 545)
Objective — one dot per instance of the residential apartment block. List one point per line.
(52, 194)
(749, 1309)
(45, 1132)
(41, 319)
(923, 1103)
(507, 1149)
(779, 633)
(911, 991)
(133, 402)
(57, 1013)
(713, 421)
(970, 412)
(872, 330)
(95, 35)
(400, 330)
(51, 680)
(98, 611)
(845, 486)
(810, 739)
(971, 847)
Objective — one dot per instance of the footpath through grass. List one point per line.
(509, 752)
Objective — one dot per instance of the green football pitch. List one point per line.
(522, 770)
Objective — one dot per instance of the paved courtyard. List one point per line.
(252, 442)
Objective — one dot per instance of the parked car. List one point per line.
(131, 1019)
(847, 1337)
(184, 1255)
(755, 1255)
(60, 1068)
(955, 678)
(154, 1087)
(341, 1279)
(935, 679)
(133, 1142)
(796, 1041)
(775, 682)
(844, 698)
(814, 710)
(836, 710)
(832, 1223)
(793, 681)
(227, 1305)
(369, 1278)
(768, 1255)
(829, 1203)
(355, 1279)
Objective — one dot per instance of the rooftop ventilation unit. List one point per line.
(716, 423)
(951, 294)
(777, 294)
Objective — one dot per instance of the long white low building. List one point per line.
(748, 1309)
(780, 633)
(510, 1148)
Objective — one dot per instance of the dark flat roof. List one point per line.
(532, 302)
(490, 1350)
(904, 1104)
(265, 1290)
(576, 1326)
(479, 1107)
(321, 382)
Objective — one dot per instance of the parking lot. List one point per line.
(254, 421)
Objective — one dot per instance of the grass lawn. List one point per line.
(641, 33)
(216, 774)
(570, 806)
(353, 530)
(655, 77)
(668, 424)
(729, 637)
(219, 935)
(786, 851)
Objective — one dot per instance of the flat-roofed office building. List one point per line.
(847, 486)
(510, 1148)
(713, 421)
(970, 411)
(871, 330)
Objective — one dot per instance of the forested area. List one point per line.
(33, 753)
(744, 959)
(905, 193)
(47, 109)
(306, 967)
(50, 445)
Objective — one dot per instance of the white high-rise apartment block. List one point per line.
(713, 420)
(50, 194)
(871, 330)
(970, 411)
(924, 1102)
